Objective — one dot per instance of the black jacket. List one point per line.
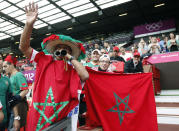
(129, 67)
(118, 58)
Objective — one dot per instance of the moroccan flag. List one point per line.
(54, 93)
(121, 102)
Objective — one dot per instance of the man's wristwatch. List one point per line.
(72, 58)
(17, 118)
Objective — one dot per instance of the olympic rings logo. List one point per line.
(154, 26)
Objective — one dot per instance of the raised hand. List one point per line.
(31, 13)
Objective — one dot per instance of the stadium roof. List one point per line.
(80, 18)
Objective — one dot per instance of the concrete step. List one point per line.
(167, 99)
(168, 115)
(170, 92)
(168, 111)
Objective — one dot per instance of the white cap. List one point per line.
(104, 56)
(96, 50)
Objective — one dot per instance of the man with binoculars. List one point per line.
(59, 75)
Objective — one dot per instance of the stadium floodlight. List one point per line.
(93, 22)
(123, 14)
(70, 28)
(158, 5)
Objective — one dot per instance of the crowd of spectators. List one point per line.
(109, 57)
(116, 52)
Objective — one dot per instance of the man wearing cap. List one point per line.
(104, 64)
(94, 59)
(19, 91)
(134, 65)
(116, 56)
(58, 74)
(5, 88)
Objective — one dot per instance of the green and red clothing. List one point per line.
(90, 64)
(18, 82)
(5, 87)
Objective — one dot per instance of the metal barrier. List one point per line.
(64, 125)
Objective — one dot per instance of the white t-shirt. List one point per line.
(154, 48)
(126, 56)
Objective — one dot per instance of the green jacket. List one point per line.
(5, 87)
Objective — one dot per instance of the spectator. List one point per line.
(116, 56)
(158, 39)
(134, 48)
(94, 59)
(96, 46)
(134, 65)
(19, 88)
(59, 75)
(154, 47)
(107, 47)
(150, 40)
(124, 54)
(104, 64)
(90, 47)
(1, 57)
(173, 43)
(163, 44)
(88, 58)
(1, 113)
(103, 51)
(142, 47)
(5, 89)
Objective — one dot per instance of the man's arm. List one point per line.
(24, 45)
(31, 16)
(16, 124)
(1, 116)
(23, 93)
(82, 72)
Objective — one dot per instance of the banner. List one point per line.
(121, 102)
(164, 58)
(154, 28)
(30, 76)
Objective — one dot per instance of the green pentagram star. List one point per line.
(42, 112)
(117, 106)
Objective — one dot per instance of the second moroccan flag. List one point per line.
(121, 102)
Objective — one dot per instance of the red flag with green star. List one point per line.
(54, 93)
(121, 102)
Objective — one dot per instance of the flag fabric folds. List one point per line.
(121, 102)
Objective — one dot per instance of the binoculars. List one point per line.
(60, 53)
